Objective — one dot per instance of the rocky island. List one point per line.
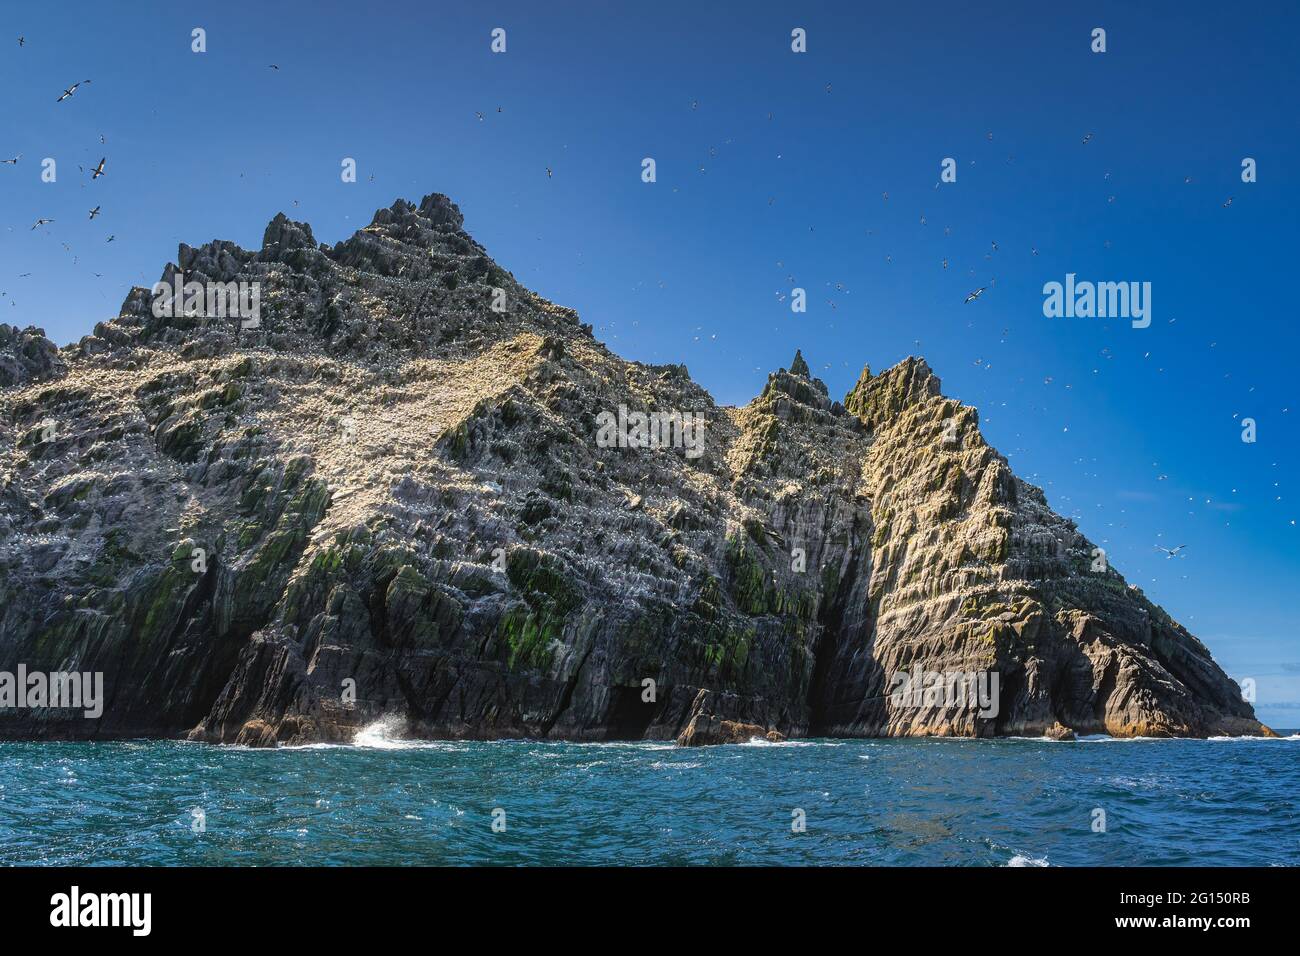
(388, 496)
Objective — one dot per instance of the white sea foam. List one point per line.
(383, 734)
(387, 734)
(1021, 859)
(764, 742)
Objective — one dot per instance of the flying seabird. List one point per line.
(94, 212)
(99, 170)
(69, 91)
(41, 222)
(974, 295)
(1168, 553)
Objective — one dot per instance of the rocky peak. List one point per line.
(283, 235)
(876, 399)
(442, 212)
(798, 386)
(219, 260)
(411, 282)
(26, 355)
(436, 223)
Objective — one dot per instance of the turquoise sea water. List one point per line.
(909, 802)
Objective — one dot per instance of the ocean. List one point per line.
(388, 801)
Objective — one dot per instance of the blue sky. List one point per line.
(770, 165)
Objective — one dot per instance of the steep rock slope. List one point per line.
(390, 498)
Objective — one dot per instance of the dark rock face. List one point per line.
(418, 489)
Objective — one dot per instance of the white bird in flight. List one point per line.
(69, 91)
(1168, 553)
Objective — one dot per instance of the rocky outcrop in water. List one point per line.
(413, 487)
(704, 729)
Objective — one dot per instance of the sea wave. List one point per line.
(763, 742)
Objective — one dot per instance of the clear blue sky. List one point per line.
(204, 146)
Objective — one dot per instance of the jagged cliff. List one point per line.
(390, 498)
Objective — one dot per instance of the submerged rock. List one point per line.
(417, 488)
